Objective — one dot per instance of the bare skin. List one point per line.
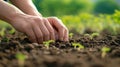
(25, 18)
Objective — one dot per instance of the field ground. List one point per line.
(82, 50)
(60, 54)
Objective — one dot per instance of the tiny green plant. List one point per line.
(47, 43)
(80, 46)
(75, 45)
(2, 32)
(21, 59)
(86, 34)
(105, 50)
(71, 35)
(12, 31)
(94, 35)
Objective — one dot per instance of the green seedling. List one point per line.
(78, 45)
(86, 34)
(71, 35)
(12, 31)
(105, 50)
(47, 43)
(2, 32)
(75, 45)
(21, 59)
(94, 35)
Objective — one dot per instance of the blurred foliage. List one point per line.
(73, 7)
(4, 24)
(62, 7)
(84, 21)
(106, 6)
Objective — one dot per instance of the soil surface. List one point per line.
(60, 54)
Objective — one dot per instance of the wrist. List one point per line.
(14, 17)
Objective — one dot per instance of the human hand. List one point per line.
(59, 28)
(38, 29)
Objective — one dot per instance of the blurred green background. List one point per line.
(82, 15)
(73, 7)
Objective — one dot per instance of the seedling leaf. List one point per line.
(2, 32)
(47, 43)
(94, 35)
(105, 50)
(12, 31)
(21, 59)
(78, 44)
(71, 35)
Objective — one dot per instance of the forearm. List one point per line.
(8, 12)
(26, 6)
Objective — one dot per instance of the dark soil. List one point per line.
(60, 54)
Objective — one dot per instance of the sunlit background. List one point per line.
(82, 15)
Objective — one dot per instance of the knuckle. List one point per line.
(44, 19)
(38, 19)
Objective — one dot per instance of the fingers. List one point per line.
(38, 33)
(31, 34)
(62, 30)
(41, 31)
(56, 34)
(61, 33)
(66, 33)
(50, 29)
(43, 28)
